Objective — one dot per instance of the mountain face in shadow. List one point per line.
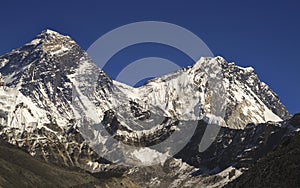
(280, 168)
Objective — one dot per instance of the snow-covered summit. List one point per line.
(50, 32)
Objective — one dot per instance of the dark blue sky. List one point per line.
(261, 34)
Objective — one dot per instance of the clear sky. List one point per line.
(262, 34)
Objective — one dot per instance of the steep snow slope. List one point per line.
(180, 93)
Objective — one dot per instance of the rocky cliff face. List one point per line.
(60, 107)
(231, 154)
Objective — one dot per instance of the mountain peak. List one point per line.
(48, 50)
(50, 32)
(49, 36)
(52, 42)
